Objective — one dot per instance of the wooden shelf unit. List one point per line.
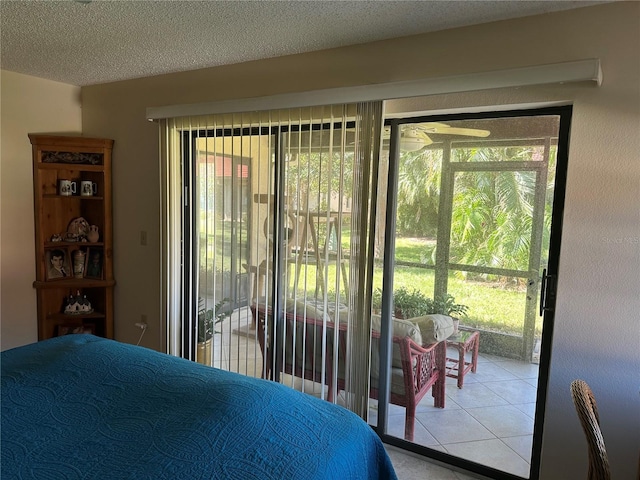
(58, 158)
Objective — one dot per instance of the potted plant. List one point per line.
(413, 303)
(410, 303)
(446, 305)
(208, 318)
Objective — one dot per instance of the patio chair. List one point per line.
(415, 369)
(585, 404)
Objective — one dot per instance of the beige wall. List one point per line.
(597, 324)
(29, 105)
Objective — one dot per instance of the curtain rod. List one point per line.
(566, 72)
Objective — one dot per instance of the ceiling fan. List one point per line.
(415, 136)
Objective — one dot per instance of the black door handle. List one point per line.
(547, 292)
(543, 289)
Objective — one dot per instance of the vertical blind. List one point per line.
(270, 218)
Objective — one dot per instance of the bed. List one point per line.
(84, 407)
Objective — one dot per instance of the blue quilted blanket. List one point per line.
(83, 407)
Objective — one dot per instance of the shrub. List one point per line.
(208, 318)
(410, 303)
(413, 303)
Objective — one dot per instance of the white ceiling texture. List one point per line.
(100, 41)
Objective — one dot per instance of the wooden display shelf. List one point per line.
(82, 167)
(77, 159)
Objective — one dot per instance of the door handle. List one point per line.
(547, 292)
(543, 288)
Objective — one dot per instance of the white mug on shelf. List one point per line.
(88, 188)
(66, 188)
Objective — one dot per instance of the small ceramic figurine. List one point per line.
(78, 263)
(77, 304)
(93, 234)
(68, 306)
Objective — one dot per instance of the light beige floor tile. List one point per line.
(490, 371)
(412, 467)
(503, 421)
(475, 395)
(242, 350)
(521, 445)
(464, 476)
(521, 369)
(527, 408)
(513, 391)
(493, 453)
(469, 377)
(450, 403)
(487, 357)
(426, 404)
(396, 427)
(453, 426)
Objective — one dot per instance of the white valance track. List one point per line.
(567, 72)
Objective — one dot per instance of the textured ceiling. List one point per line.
(85, 43)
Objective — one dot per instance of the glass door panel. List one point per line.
(222, 224)
(223, 194)
(473, 214)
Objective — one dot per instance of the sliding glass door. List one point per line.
(476, 202)
(314, 258)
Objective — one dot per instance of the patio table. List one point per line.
(464, 341)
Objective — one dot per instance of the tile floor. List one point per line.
(410, 466)
(489, 420)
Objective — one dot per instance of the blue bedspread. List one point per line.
(83, 407)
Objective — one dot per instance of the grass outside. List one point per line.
(491, 306)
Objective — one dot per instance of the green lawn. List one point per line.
(490, 306)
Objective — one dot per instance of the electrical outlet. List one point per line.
(142, 323)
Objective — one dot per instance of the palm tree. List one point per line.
(492, 213)
(419, 192)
